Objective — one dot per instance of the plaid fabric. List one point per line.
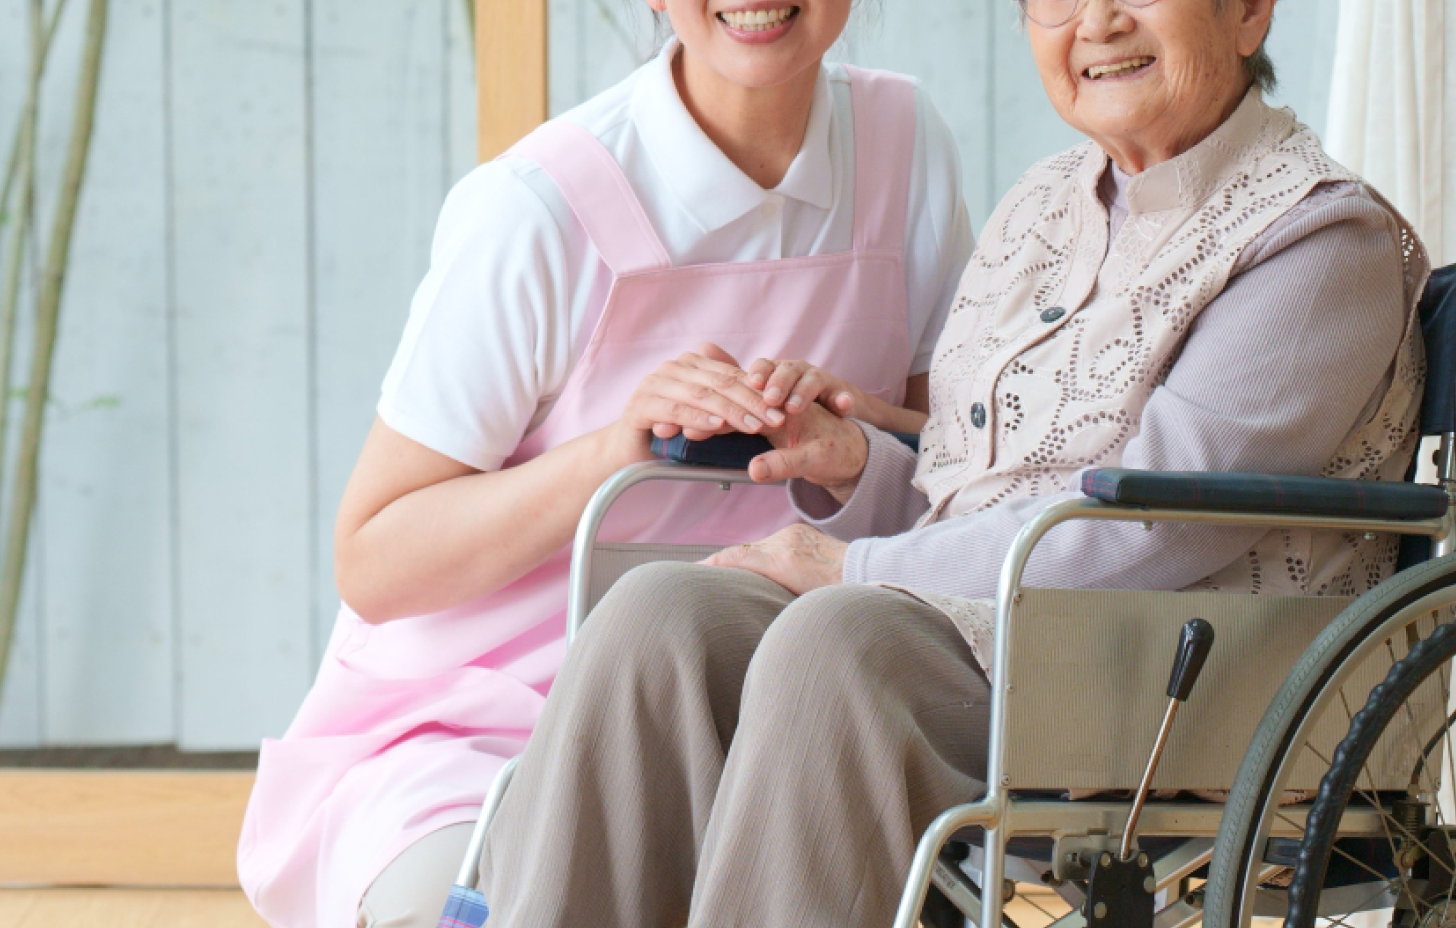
(733, 450)
(1438, 326)
(1265, 493)
(465, 908)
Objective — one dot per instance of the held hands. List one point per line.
(700, 394)
(797, 558)
(797, 385)
(706, 393)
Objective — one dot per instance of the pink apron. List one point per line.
(408, 722)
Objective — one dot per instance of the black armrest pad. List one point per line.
(1272, 493)
(733, 450)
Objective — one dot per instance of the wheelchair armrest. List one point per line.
(733, 450)
(1275, 494)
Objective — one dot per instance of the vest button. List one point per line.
(1053, 314)
(978, 416)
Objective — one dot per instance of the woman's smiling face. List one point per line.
(1149, 83)
(757, 43)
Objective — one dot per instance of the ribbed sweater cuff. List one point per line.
(884, 502)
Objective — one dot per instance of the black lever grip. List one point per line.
(1193, 647)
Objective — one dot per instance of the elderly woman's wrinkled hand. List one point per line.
(817, 446)
(797, 558)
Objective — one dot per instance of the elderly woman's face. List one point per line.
(1149, 82)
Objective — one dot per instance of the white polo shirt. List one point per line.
(498, 322)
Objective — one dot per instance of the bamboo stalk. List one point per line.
(13, 165)
(25, 218)
(48, 304)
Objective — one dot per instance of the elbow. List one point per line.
(359, 587)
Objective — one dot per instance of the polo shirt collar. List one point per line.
(708, 186)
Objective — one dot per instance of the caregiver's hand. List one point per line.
(701, 393)
(797, 385)
(797, 558)
(817, 446)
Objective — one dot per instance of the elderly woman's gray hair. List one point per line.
(1259, 66)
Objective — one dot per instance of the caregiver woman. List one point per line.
(736, 191)
(1197, 288)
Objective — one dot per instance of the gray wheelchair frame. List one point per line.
(998, 813)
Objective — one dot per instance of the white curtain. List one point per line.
(1393, 109)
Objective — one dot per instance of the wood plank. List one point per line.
(1302, 44)
(127, 908)
(593, 46)
(243, 368)
(947, 44)
(510, 61)
(381, 171)
(462, 124)
(104, 544)
(1024, 125)
(120, 828)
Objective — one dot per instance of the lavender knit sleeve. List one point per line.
(884, 502)
(1275, 373)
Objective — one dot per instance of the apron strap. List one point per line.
(884, 144)
(599, 195)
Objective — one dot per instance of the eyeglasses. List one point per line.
(1053, 13)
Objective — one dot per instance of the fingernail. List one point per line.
(774, 416)
(752, 422)
(716, 421)
(773, 394)
(796, 401)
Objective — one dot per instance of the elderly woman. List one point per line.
(758, 741)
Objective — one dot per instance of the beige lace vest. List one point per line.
(1030, 384)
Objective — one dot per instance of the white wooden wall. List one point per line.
(262, 191)
(258, 210)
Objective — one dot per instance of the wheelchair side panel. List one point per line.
(610, 561)
(1089, 672)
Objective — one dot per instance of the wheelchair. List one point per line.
(1308, 775)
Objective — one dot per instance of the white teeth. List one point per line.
(1122, 67)
(757, 20)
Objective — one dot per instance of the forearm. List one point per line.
(470, 536)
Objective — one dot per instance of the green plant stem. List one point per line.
(12, 167)
(48, 305)
(25, 218)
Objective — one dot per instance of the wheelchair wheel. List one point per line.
(1375, 837)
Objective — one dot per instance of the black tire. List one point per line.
(1254, 799)
(1425, 658)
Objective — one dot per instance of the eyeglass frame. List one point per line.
(1076, 7)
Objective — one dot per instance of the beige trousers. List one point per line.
(718, 753)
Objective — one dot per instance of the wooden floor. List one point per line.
(227, 908)
(127, 908)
